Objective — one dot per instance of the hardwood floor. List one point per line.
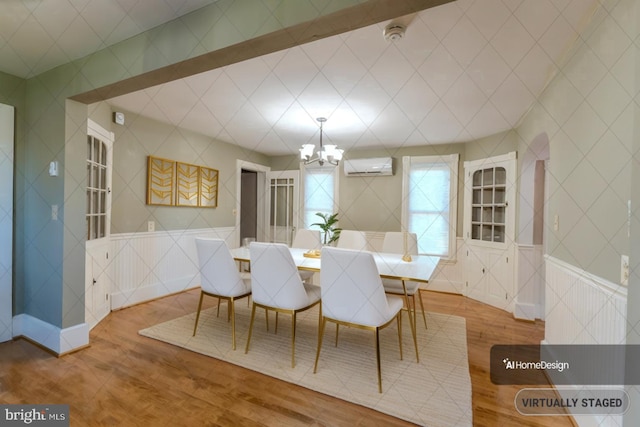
(127, 379)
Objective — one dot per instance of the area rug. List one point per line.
(435, 392)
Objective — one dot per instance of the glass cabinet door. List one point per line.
(488, 204)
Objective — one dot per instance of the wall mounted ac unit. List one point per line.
(375, 166)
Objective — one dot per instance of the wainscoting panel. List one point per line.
(583, 309)
(145, 266)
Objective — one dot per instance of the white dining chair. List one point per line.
(307, 239)
(277, 286)
(353, 295)
(220, 278)
(352, 239)
(394, 242)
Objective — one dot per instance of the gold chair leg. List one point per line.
(198, 314)
(337, 329)
(424, 317)
(266, 315)
(253, 315)
(276, 331)
(375, 332)
(412, 323)
(293, 339)
(218, 312)
(320, 334)
(232, 313)
(399, 319)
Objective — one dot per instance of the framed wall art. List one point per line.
(160, 181)
(208, 188)
(187, 184)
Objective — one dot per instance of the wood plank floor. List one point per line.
(126, 379)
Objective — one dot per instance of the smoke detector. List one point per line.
(393, 32)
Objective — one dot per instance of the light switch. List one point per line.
(624, 270)
(54, 212)
(556, 222)
(151, 226)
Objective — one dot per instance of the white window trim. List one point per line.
(336, 186)
(453, 161)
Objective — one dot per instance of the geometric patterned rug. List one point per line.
(435, 392)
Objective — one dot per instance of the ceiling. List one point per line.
(463, 70)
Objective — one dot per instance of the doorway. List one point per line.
(248, 205)
(251, 208)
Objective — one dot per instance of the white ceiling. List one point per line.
(464, 70)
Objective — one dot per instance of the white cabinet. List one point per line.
(489, 230)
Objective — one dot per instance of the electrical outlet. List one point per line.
(556, 222)
(151, 226)
(624, 270)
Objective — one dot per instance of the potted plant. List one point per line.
(330, 233)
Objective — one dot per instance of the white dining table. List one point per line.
(390, 266)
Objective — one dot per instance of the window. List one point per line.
(320, 192)
(430, 199)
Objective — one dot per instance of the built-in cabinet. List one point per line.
(98, 284)
(489, 230)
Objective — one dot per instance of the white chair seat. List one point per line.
(313, 292)
(394, 286)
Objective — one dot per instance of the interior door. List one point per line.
(6, 221)
(98, 221)
(283, 209)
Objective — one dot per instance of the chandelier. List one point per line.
(327, 153)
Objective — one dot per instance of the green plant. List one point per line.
(330, 232)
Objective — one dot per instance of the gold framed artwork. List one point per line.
(160, 181)
(187, 184)
(208, 188)
(172, 183)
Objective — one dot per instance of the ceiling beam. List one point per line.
(348, 19)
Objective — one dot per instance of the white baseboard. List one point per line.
(59, 341)
(526, 311)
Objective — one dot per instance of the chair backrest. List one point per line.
(275, 281)
(307, 239)
(352, 239)
(394, 243)
(351, 287)
(218, 271)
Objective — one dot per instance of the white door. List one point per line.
(283, 206)
(489, 230)
(98, 221)
(6, 221)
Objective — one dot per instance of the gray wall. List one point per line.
(141, 137)
(588, 115)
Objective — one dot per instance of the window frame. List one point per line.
(452, 160)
